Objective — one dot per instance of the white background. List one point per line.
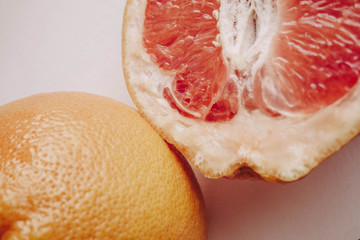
(75, 45)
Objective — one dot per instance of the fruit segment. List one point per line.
(313, 58)
(180, 37)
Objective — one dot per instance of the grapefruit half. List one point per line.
(247, 88)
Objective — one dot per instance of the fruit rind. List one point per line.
(77, 165)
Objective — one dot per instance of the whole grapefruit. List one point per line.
(82, 166)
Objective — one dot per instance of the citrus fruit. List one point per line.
(82, 166)
(263, 88)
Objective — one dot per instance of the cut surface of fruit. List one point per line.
(190, 51)
(82, 166)
(252, 79)
(314, 59)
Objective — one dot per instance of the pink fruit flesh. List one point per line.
(313, 62)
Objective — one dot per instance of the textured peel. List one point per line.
(82, 166)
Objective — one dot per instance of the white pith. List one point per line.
(284, 148)
(246, 44)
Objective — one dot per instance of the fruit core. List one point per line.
(277, 57)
